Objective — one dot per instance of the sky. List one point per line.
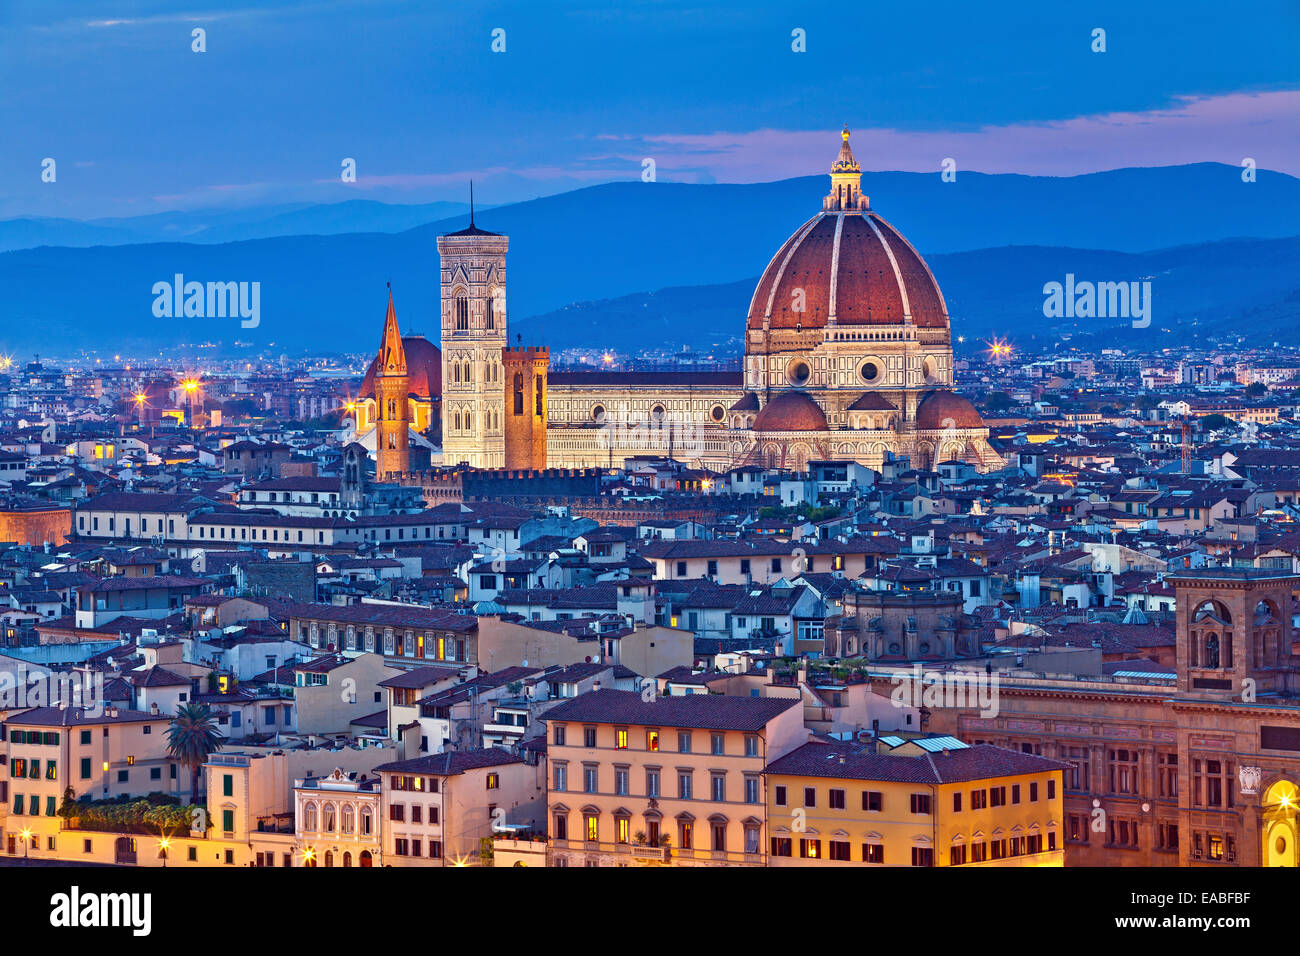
(137, 122)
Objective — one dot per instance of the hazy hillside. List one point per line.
(1241, 285)
(621, 239)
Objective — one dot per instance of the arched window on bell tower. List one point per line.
(519, 394)
(490, 321)
(462, 313)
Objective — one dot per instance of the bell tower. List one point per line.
(473, 309)
(393, 407)
(1234, 633)
(526, 406)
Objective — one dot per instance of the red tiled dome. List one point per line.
(791, 412)
(878, 277)
(423, 366)
(944, 409)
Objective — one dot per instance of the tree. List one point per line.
(192, 738)
(1215, 422)
(1256, 390)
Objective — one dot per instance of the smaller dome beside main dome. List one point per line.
(791, 412)
(944, 409)
(423, 369)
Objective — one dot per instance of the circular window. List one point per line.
(717, 413)
(870, 372)
(598, 413)
(1281, 845)
(798, 372)
(930, 369)
(658, 412)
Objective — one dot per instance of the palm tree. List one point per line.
(192, 738)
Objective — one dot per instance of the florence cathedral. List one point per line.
(847, 356)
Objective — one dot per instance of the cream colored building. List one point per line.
(439, 808)
(664, 780)
(339, 819)
(334, 690)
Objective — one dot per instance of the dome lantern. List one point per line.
(846, 181)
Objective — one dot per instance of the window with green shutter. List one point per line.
(51, 770)
(85, 737)
(34, 770)
(49, 807)
(18, 804)
(227, 785)
(18, 736)
(85, 768)
(35, 804)
(228, 821)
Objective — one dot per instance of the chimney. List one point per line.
(595, 686)
(153, 709)
(875, 734)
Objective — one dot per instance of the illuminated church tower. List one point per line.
(392, 385)
(473, 280)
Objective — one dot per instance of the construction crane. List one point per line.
(1187, 445)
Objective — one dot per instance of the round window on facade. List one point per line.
(658, 412)
(930, 369)
(598, 413)
(717, 413)
(869, 371)
(798, 372)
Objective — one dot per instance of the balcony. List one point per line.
(650, 854)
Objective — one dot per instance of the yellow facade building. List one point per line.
(925, 802)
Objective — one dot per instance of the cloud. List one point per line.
(1263, 126)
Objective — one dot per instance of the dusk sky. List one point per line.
(138, 123)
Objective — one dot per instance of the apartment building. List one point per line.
(920, 802)
(437, 809)
(665, 780)
(96, 755)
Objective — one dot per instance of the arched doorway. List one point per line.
(347, 858)
(1279, 807)
(366, 859)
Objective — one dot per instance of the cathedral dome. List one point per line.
(848, 264)
(791, 412)
(423, 367)
(944, 409)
